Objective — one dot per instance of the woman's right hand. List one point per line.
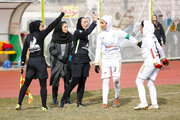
(62, 14)
(95, 17)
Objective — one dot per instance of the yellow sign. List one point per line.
(70, 11)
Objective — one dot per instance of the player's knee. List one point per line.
(139, 81)
(150, 83)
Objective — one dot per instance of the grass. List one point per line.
(168, 99)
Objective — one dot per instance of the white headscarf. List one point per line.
(148, 27)
(108, 20)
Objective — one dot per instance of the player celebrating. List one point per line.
(149, 70)
(108, 42)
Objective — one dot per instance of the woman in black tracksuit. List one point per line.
(60, 50)
(80, 60)
(36, 66)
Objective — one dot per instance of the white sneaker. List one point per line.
(141, 107)
(154, 107)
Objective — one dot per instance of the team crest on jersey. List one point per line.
(33, 46)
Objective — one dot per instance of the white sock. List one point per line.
(152, 91)
(105, 90)
(141, 90)
(116, 83)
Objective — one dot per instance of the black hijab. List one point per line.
(34, 26)
(78, 26)
(59, 36)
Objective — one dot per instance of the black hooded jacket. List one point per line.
(82, 49)
(35, 40)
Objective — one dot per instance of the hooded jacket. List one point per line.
(150, 46)
(35, 41)
(109, 40)
(81, 55)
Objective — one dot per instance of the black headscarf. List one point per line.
(59, 36)
(34, 26)
(78, 26)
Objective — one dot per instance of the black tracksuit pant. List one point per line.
(80, 91)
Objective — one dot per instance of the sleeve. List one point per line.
(153, 51)
(160, 50)
(127, 36)
(163, 35)
(54, 52)
(98, 50)
(24, 52)
(81, 34)
(51, 26)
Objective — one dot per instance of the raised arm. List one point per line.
(51, 26)
(81, 34)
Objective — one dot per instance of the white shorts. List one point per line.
(108, 65)
(148, 72)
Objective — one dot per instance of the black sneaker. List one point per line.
(54, 101)
(68, 101)
(61, 104)
(80, 105)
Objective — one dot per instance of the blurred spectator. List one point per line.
(117, 20)
(169, 19)
(178, 24)
(159, 31)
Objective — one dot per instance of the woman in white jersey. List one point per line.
(108, 43)
(151, 50)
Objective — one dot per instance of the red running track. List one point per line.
(9, 80)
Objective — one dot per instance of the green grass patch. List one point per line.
(168, 100)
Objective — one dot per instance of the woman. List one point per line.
(36, 66)
(80, 60)
(108, 43)
(60, 50)
(150, 49)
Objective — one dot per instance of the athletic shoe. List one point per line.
(141, 107)
(115, 102)
(68, 101)
(104, 106)
(46, 109)
(54, 101)
(61, 104)
(79, 104)
(18, 107)
(154, 107)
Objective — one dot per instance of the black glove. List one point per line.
(97, 68)
(62, 14)
(139, 44)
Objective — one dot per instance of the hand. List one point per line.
(163, 45)
(90, 65)
(62, 14)
(97, 68)
(157, 65)
(22, 69)
(95, 17)
(165, 61)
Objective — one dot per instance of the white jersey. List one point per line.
(150, 47)
(108, 43)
